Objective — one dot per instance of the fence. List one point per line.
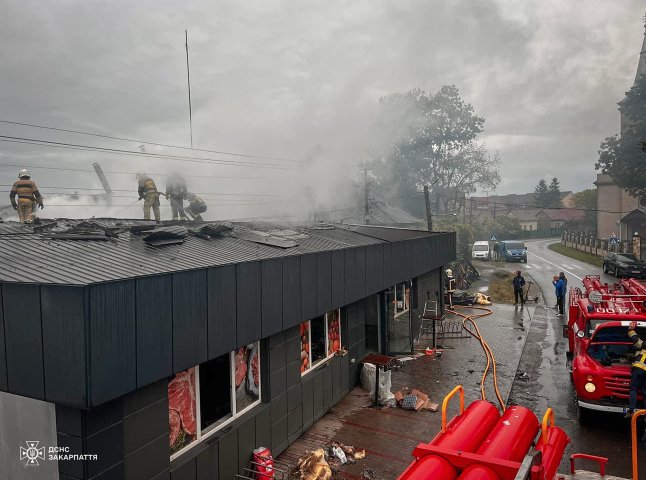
(595, 246)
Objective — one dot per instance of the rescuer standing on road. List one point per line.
(28, 196)
(559, 286)
(450, 286)
(518, 282)
(637, 372)
(148, 192)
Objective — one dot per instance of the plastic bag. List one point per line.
(385, 396)
(264, 463)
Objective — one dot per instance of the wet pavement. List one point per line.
(389, 435)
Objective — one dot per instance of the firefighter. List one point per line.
(28, 196)
(176, 192)
(518, 282)
(148, 192)
(196, 206)
(637, 372)
(450, 287)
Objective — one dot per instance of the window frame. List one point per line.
(405, 310)
(310, 365)
(209, 431)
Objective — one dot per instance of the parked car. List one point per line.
(513, 251)
(624, 265)
(480, 250)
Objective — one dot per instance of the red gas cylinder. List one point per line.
(430, 466)
(557, 440)
(467, 431)
(510, 440)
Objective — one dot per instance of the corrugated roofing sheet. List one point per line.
(387, 234)
(30, 257)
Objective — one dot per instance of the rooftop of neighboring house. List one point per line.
(526, 214)
(565, 214)
(514, 200)
(78, 252)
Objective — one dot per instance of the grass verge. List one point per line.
(576, 254)
(500, 287)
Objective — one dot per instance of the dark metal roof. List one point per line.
(29, 257)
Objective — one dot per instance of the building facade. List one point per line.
(167, 354)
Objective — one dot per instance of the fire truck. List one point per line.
(600, 353)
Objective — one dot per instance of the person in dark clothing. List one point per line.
(176, 192)
(450, 287)
(559, 287)
(195, 206)
(518, 282)
(496, 249)
(637, 372)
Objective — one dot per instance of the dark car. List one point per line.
(513, 251)
(624, 265)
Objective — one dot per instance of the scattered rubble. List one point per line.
(322, 462)
(413, 399)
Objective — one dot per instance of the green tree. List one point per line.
(554, 195)
(624, 158)
(432, 141)
(587, 201)
(541, 194)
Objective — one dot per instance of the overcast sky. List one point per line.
(303, 80)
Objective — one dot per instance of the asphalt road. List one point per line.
(542, 379)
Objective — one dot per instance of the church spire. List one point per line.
(641, 66)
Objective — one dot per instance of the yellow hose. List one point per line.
(491, 359)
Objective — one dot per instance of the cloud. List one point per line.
(283, 79)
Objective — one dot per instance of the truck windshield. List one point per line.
(611, 345)
(514, 245)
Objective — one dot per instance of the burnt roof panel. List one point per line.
(32, 257)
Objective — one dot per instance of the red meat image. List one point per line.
(240, 361)
(181, 406)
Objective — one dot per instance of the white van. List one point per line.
(480, 251)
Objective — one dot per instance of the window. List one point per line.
(320, 339)
(402, 298)
(204, 398)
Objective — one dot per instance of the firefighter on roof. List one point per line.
(148, 192)
(28, 196)
(176, 192)
(638, 372)
(195, 206)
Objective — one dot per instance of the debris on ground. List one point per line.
(313, 466)
(368, 474)
(337, 454)
(413, 399)
(481, 299)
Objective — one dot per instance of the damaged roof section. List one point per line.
(74, 252)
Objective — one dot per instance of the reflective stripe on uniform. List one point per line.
(640, 362)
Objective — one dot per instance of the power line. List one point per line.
(118, 190)
(17, 165)
(112, 137)
(116, 151)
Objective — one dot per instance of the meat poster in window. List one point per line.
(181, 410)
(247, 375)
(305, 347)
(333, 332)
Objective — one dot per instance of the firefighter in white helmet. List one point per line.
(28, 197)
(450, 287)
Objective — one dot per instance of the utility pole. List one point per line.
(494, 209)
(188, 79)
(366, 197)
(470, 213)
(429, 217)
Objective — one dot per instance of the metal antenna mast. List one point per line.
(188, 78)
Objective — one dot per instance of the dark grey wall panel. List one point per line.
(374, 268)
(3, 355)
(185, 471)
(327, 387)
(317, 395)
(416, 266)
(360, 275)
(249, 300)
(336, 379)
(389, 265)
(292, 292)
(63, 314)
(324, 282)
(309, 286)
(228, 451)
(308, 402)
(279, 437)
(222, 310)
(350, 275)
(272, 297)
(338, 278)
(263, 426)
(246, 442)
(345, 372)
(113, 362)
(23, 337)
(189, 319)
(154, 328)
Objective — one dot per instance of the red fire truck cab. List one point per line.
(600, 353)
